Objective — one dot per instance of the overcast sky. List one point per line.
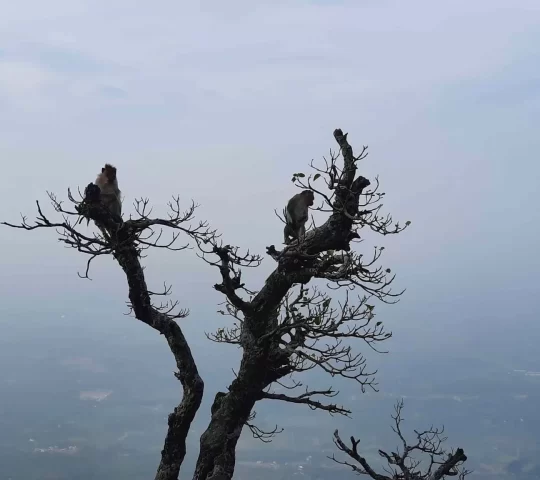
(222, 101)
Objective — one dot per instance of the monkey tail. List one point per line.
(289, 219)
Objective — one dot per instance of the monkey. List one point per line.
(296, 215)
(108, 185)
(91, 195)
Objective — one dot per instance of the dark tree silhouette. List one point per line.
(401, 465)
(285, 328)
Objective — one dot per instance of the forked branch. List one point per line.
(437, 464)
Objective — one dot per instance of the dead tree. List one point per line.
(434, 462)
(126, 241)
(284, 329)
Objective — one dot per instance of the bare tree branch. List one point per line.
(306, 399)
(265, 436)
(400, 464)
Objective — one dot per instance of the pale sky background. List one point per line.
(222, 101)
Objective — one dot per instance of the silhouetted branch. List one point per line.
(306, 399)
(265, 436)
(401, 466)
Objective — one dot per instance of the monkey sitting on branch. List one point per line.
(104, 191)
(108, 186)
(296, 215)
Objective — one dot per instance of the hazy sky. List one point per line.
(222, 101)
